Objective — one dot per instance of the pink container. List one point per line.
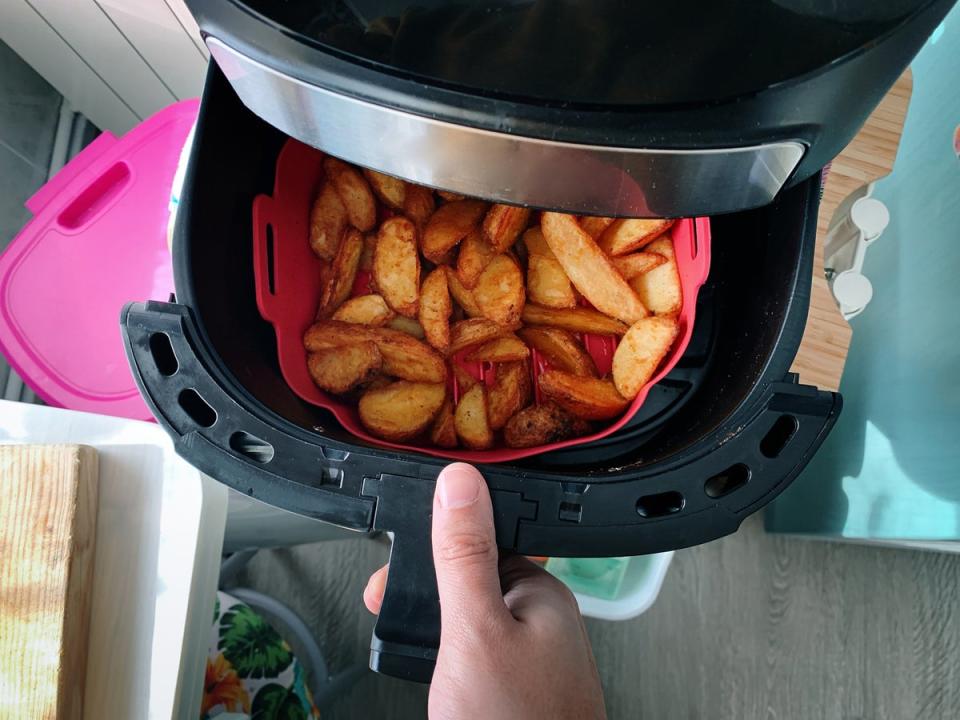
(98, 239)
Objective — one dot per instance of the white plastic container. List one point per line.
(639, 590)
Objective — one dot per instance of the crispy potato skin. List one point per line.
(630, 234)
(586, 398)
(537, 425)
(444, 433)
(511, 390)
(435, 309)
(365, 310)
(391, 191)
(577, 319)
(470, 419)
(401, 410)
(473, 331)
(339, 282)
(636, 264)
(328, 220)
(450, 224)
(503, 224)
(561, 349)
(396, 266)
(354, 192)
(340, 369)
(476, 252)
(507, 348)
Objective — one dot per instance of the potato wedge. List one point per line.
(629, 234)
(419, 204)
(470, 419)
(630, 266)
(401, 410)
(660, 288)
(499, 293)
(502, 349)
(391, 191)
(396, 265)
(339, 369)
(366, 257)
(589, 269)
(450, 196)
(343, 272)
(594, 225)
(579, 319)
(561, 349)
(450, 224)
(587, 398)
(473, 332)
(536, 244)
(640, 351)
(435, 309)
(476, 252)
(354, 192)
(365, 310)
(539, 425)
(462, 295)
(464, 379)
(328, 220)
(511, 390)
(443, 433)
(548, 284)
(408, 326)
(503, 224)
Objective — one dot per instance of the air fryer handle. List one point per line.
(407, 634)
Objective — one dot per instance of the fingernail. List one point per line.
(458, 486)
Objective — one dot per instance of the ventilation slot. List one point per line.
(163, 355)
(667, 503)
(197, 408)
(251, 446)
(724, 483)
(778, 436)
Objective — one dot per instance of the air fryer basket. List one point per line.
(733, 433)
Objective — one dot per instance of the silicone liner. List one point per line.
(287, 279)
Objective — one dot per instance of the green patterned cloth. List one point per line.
(251, 672)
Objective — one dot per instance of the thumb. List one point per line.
(465, 548)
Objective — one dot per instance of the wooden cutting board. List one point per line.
(48, 508)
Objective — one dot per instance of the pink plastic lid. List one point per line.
(98, 239)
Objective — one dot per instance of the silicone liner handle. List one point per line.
(264, 256)
(700, 262)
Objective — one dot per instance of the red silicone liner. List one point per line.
(287, 279)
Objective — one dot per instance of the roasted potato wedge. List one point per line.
(640, 351)
(339, 369)
(587, 398)
(401, 410)
(354, 192)
(392, 191)
(630, 266)
(561, 349)
(470, 419)
(502, 349)
(548, 284)
(511, 390)
(536, 244)
(366, 257)
(365, 310)
(396, 265)
(461, 294)
(476, 252)
(343, 272)
(450, 224)
(579, 319)
(660, 288)
(539, 425)
(629, 234)
(464, 379)
(435, 309)
(419, 204)
(408, 326)
(473, 332)
(594, 225)
(443, 433)
(503, 224)
(450, 196)
(589, 269)
(328, 220)
(499, 293)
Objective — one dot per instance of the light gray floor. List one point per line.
(751, 626)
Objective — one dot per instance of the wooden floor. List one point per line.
(752, 626)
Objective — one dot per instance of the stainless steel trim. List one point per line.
(583, 179)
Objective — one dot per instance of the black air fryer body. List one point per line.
(723, 434)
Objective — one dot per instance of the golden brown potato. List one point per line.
(339, 281)
(328, 220)
(408, 326)
(444, 433)
(473, 332)
(339, 369)
(418, 205)
(392, 191)
(401, 410)
(365, 310)
(435, 309)
(462, 295)
(396, 265)
(579, 319)
(464, 379)
(561, 349)
(629, 234)
(450, 224)
(470, 419)
(660, 288)
(366, 257)
(503, 224)
(449, 196)
(540, 425)
(502, 349)
(476, 252)
(548, 284)
(536, 244)
(511, 390)
(589, 269)
(354, 192)
(630, 266)
(587, 398)
(594, 225)
(640, 352)
(499, 292)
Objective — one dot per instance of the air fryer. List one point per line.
(725, 432)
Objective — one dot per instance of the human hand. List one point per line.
(512, 641)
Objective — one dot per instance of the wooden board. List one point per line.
(868, 157)
(48, 508)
